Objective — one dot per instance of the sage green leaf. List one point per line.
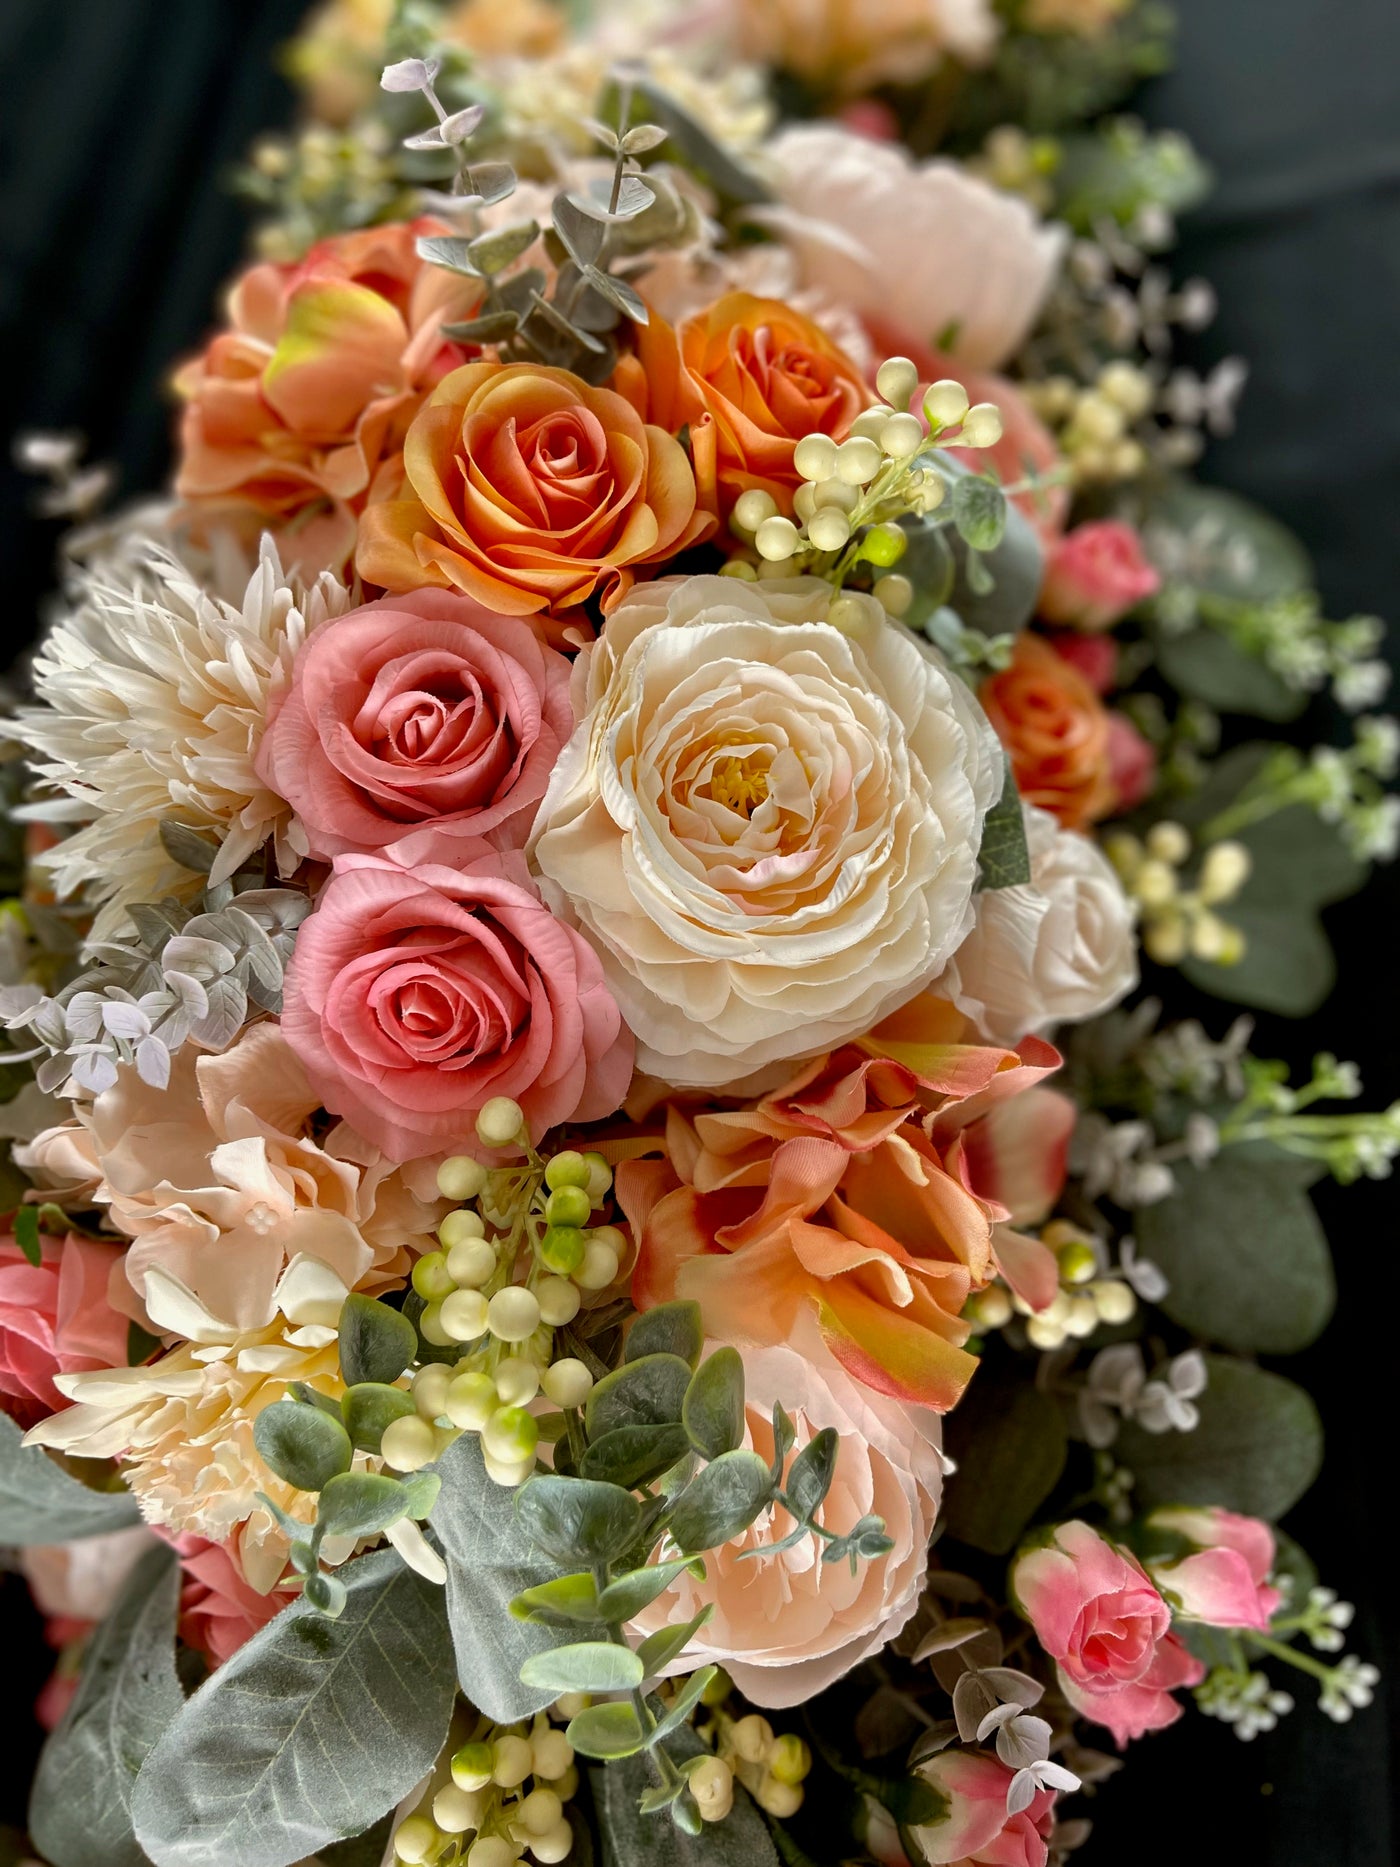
(302, 1444)
(1257, 1449)
(685, 1701)
(658, 1650)
(669, 1329)
(979, 511)
(1246, 1261)
(80, 1805)
(40, 1503)
(691, 145)
(449, 251)
(606, 1731)
(577, 1520)
(488, 329)
(585, 1666)
(188, 847)
(647, 1392)
(1004, 860)
(626, 1837)
(368, 1408)
(1237, 549)
(361, 1504)
(634, 1455)
(713, 1412)
(811, 1472)
(626, 1595)
(1009, 1441)
(242, 1771)
(376, 1343)
(721, 1501)
(493, 252)
(364, 1850)
(1207, 666)
(562, 1602)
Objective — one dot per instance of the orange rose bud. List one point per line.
(1057, 732)
(530, 490)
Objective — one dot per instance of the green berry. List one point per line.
(569, 1206)
(562, 1248)
(567, 1169)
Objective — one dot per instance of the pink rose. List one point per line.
(55, 1319)
(1224, 1580)
(1096, 1613)
(219, 1607)
(1132, 763)
(416, 995)
(423, 722)
(1095, 656)
(975, 1830)
(1095, 575)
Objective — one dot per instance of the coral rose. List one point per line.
(1061, 946)
(768, 829)
(530, 490)
(289, 412)
(1223, 1578)
(420, 722)
(852, 47)
(1099, 1617)
(1056, 730)
(748, 377)
(415, 995)
(785, 1626)
(54, 1318)
(1095, 575)
(976, 1829)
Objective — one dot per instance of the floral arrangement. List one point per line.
(611, 1248)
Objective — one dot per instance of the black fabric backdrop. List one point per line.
(118, 122)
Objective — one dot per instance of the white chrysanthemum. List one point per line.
(155, 693)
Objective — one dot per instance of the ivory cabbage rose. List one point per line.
(1099, 1617)
(1095, 575)
(1224, 1579)
(1061, 946)
(786, 1626)
(852, 45)
(420, 722)
(933, 256)
(976, 1830)
(768, 829)
(415, 995)
(54, 1319)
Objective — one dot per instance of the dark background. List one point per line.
(119, 120)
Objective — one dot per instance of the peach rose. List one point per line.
(419, 722)
(785, 1626)
(768, 828)
(530, 490)
(415, 995)
(1099, 1617)
(748, 377)
(290, 410)
(1095, 575)
(1222, 1578)
(54, 1319)
(976, 1828)
(1056, 730)
(853, 45)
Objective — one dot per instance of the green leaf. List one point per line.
(619, 294)
(811, 1473)
(692, 146)
(1245, 1258)
(488, 329)
(448, 251)
(979, 511)
(563, 1602)
(784, 1439)
(606, 1731)
(376, 1343)
(187, 847)
(582, 232)
(713, 1411)
(1004, 860)
(368, 1408)
(577, 1520)
(585, 1666)
(364, 1850)
(721, 1501)
(493, 252)
(140, 1345)
(80, 1806)
(487, 1549)
(303, 1445)
(1205, 665)
(241, 1774)
(658, 1650)
(1009, 1441)
(1257, 1449)
(669, 1329)
(627, 1837)
(626, 1595)
(361, 1504)
(26, 1233)
(1235, 548)
(684, 1702)
(648, 1392)
(634, 1455)
(40, 1503)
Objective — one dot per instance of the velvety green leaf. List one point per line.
(376, 1343)
(80, 1805)
(1206, 665)
(493, 252)
(979, 511)
(658, 1650)
(648, 1392)
(448, 251)
(713, 1412)
(241, 1773)
(302, 1444)
(1245, 1257)
(1257, 1449)
(811, 1472)
(565, 1601)
(626, 1595)
(721, 1500)
(1009, 1442)
(187, 847)
(634, 1455)
(606, 1731)
(368, 1408)
(627, 1838)
(669, 1329)
(491, 328)
(40, 1503)
(585, 1666)
(577, 1520)
(366, 1850)
(361, 1504)
(1004, 860)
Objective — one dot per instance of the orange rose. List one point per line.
(529, 490)
(748, 377)
(290, 411)
(1057, 732)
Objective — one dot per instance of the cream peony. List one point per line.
(1060, 947)
(932, 257)
(768, 829)
(786, 1625)
(218, 1182)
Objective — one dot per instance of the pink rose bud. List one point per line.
(1095, 575)
(976, 1829)
(1132, 763)
(1224, 1579)
(1095, 656)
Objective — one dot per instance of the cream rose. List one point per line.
(1061, 946)
(786, 1625)
(929, 255)
(767, 828)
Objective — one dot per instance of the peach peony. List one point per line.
(785, 1626)
(1056, 730)
(851, 45)
(530, 490)
(218, 1182)
(768, 828)
(54, 1319)
(289, 411)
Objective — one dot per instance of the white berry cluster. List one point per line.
(1248, 1701)
(495, 1799)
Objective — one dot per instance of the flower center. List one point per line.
(740, 784)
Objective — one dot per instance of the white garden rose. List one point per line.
(929, 254)
(1060, 947)
(767, 827)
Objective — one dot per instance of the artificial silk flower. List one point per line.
(54, 1319)
(1095, 575)
(1223, 1579)
(976, 1828)
(1056, 731)
(847, 48)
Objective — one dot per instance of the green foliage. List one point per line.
(605, 1731)
(1119, 168)
(1004, 860)
(40, 1503)
(979, 511)
(627, 1837)
(721, 1500)
(577, 1521)
(1207, 666)
(626, 1595)
(304, 1445)
(647, 1392)
(634, 1455)
(564, 1601)
(713, 1412)
(376, 1343)
(362, 1504)
(368, 1408)
(1010, 1444)
(585, 1666)
(669, 1329)
(657, 1651)
(689, 144)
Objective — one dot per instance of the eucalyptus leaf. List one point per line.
(1004, 860)
(128, 1692)
(376, 1343)
(678, 1711)
(634, 1455)
(577, 1520)
(579, 227)
(564, 1601)
(811, 1472)
(692, 146)
(303, 1445)
(713, 1412)
(361, 1504)
(188, 847)
(669, 1329)
(493, 252)
(585, 1666)
(979, 511)
(658, 1650)
(607, 1731)
(1205, 665)
(41, 1503)
(648, 1392)
(1010, 1444)
(368, 1408)
(721, 1501)
(448, 251)
(493, 327)
(626, 1595)
(240, 1773)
